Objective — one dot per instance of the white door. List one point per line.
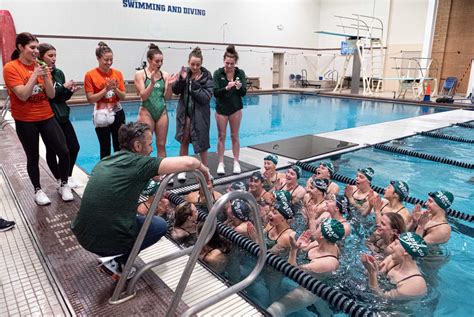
(277, 60)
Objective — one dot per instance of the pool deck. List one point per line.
(31, 285)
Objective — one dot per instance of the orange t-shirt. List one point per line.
(95, 79)
(37, 107)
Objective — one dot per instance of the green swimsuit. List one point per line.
(155, 104)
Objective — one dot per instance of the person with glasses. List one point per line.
(107, 223)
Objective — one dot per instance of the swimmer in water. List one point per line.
(405, 274)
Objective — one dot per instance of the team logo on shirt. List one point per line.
(109, 94)
(37, 89)
(157, 85)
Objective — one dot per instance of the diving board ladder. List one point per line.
(367, 43)
(209, 227)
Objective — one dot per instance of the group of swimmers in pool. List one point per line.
(38, 92)
(400, 237)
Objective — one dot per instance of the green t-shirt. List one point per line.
(106, 221)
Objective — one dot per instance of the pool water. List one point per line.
(445, 276)
(458, 131)
(266, 118)
(459, 151)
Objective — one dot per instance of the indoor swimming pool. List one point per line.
(445, 273)
(266, 117)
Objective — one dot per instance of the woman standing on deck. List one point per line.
(193, 115)
(63, 92)
(230, 86)
(29, 87)
(154, 88)
(104, 87)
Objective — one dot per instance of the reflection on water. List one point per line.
(266, 118)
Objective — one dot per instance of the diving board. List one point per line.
(349, 36)
(367, 49)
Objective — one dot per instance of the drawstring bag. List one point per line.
(103, 117)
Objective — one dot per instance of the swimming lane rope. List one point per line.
(466, 125)
(447, 137)
(412, 200)
(327, 293)
(425, 156)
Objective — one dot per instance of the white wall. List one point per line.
(250, 22)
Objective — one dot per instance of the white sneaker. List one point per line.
(182, 176)
(114, 269)
(65, 192)
(237, 169)
(220, 169)
(72, 183)
(41, 198)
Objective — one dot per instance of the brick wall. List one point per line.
(453, 42)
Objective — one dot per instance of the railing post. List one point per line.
(208, 225)
(115, 299)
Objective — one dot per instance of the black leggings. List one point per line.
(73, 146)
(104, 134)
(51, 133)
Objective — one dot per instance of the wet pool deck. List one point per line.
(45, 272)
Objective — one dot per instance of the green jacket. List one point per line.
(228, 101)
(58, 103)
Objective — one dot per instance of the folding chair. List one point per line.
(449, 87)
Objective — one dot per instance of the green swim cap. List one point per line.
(297, 170)
(238, 186)
(368, 172)
(413, 244)
(329, 166)
(443, 199)
(271, 157)
(241, 210)
(282, 194)
(401, 188)
(332, 230)
(150, 188)
(321, 184)
(284, 208)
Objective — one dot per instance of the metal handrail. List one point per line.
(5, 108)
(130, 293)
(219, 205)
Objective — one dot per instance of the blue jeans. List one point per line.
(156, 230)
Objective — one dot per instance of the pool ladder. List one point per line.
(120, 296)
(3, 114)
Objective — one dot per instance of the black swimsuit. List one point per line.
(403, 207)
(271, 243)
(269, 184)
(408, 277)
(358, 201)
(436, 225)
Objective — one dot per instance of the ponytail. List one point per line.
(196, 52)
(152, 51)
(22, 39)
(231, 53)
(101, 49)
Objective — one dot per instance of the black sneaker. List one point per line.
(6, 225)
